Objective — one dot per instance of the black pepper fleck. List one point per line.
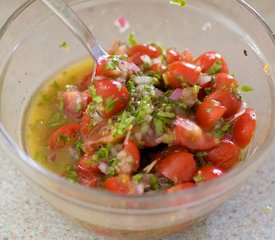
(245, 53)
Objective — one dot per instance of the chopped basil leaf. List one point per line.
(246, 88)
(181, 3)
(215, 68)
(132, 39)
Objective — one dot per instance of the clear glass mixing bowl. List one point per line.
(30, 54)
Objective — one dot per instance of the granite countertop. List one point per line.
(248, 215)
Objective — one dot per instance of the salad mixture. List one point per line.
(152, 119)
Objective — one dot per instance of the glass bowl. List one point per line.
(30, 54)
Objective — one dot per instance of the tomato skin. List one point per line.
(180, 187)
(86, 164)
(64, 136)
(88, 179)
(107, 88)
(158, 68)
(177, 166)
(120, 184)
(188, 57)
(190, 135)
(209, 172)
(103, 70)
(244, 127)
(131, 148)
(224, 81)
(144, 49)
(209, 113)
(228, 100)
(179, 72)
(207, 59)
(74, 102)
(172, 56)
(226, 155)
(137, 51)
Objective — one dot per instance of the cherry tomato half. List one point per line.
(190, 135)
(64, 136)
(208, 172)
(209, 113)
(226, 155)
(120, 184)
(172, 56)
(208, 59)
(244, 127)
(86, 163)
(224, 81)
(105, 67)
(179, 73)
(115, 96)
(227, 99)
(177, 166)
(131, 148)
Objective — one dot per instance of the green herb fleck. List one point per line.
(199, 157)
(181, 3)
(154, 182)
(125, 121)
(215, 68)
(132, 39)
(64, 45)
(79, 145)
(198, 178)
(61, 103)
(138, 177)
(110, 104)
(246, 88)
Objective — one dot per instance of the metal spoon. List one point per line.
(77, 26)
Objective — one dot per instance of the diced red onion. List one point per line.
(53, 158)
(139, 189)
(176, 94)
(227, 136)
(122, 24)
(143, 80)
(204, 78)
(103, 167)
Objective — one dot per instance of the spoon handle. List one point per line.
(75, 24)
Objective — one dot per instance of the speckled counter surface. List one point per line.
(249, 215)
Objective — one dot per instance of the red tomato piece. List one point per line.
(64, 136)
(189, 134)
(208, 172)
(137, 51)
(225, 155)
(172, 56)
(209, 113)
(145, 49)
(158, 68)
(120, 184)
(188, 57)
(179, 73)
(208, 59)
(88, 179)
(114, 94)
(224, 81)
(74, 102)
(131, 148)
(244, 127)
(105, 67)
(99, 134)
(177, 166)
(180, 187)
(86, 163)
(227, 99)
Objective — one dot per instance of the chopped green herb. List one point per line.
(55, 85)
(181, 3)
(208, 91)
(165, 114)
(132, 39)
(138, 177)
(199, 157)
(198, 178)
(225, 128)
(64, 45)
(71, 175)
(110, 104)
(159, 125)
(246, 88)
(61, 104)
(215, 68)
(92, 91)
(79, 145)
(125, 121)
(154, 182)
(98, 99)
(131, 87)
(196, 88)
(63, 138)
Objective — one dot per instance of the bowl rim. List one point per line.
(211, 185)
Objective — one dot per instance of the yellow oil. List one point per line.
(43, 110)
